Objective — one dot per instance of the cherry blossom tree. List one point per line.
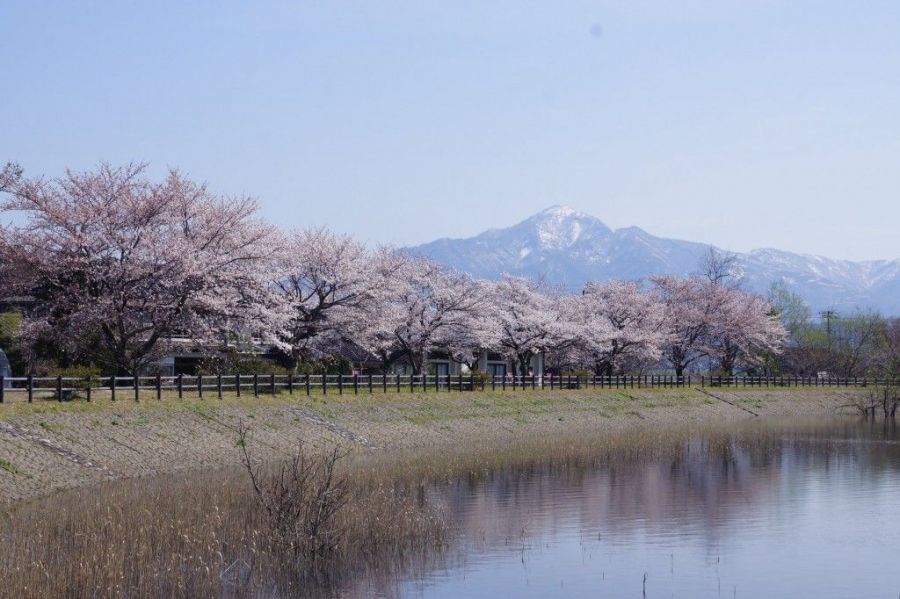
(707, 319)
(623, 325)
(420, 307)
(121, 264)
(325, 286)
(688, 310)
(481, 333)
(565, 347)
(743, 328)
(529, 320)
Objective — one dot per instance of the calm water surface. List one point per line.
(776, 510)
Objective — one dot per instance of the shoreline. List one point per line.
(48, 447)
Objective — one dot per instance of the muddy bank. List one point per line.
(48, 447)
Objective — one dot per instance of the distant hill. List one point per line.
(567, 247)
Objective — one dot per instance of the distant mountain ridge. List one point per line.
(567, 247)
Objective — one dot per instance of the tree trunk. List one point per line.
(524, 361)
(416, 362)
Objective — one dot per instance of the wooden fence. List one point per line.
(62, 388)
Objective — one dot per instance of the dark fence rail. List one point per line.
(59, 388)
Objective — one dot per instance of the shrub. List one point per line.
(579, 375)
(235, 363)
(301, 499)
(482, 378)
(327, 365)
(81, 382)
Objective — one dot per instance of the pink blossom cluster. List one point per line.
(122, 269)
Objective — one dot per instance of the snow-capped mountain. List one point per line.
(567, 247)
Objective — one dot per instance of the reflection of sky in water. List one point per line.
(808, 512)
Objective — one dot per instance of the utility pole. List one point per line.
(827, 315)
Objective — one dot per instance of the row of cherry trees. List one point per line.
(120, 268)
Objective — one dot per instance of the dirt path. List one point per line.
(722, 399)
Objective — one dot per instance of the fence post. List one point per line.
(307, 384)
(255, 384)
(89, 385)
(272, 381)
(2, 387)
(112, 388)
(180, 385)
(355, 384)
(471, 382)
(503, 383)
(370, 384)
(136, 379)
(219, 384)
(340, 383)
(158, 387)
(237, 384)
(59, 388)
(30, 384)
(324, 384)
(200, 385)
(290, 383)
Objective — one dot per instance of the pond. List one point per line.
(772, 510)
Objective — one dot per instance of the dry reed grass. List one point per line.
(205, 535)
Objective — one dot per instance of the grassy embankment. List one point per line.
(48, 446)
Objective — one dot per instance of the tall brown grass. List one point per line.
(212, 534)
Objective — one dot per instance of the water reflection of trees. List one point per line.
(696, 488)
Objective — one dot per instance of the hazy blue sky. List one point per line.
(741, 123)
